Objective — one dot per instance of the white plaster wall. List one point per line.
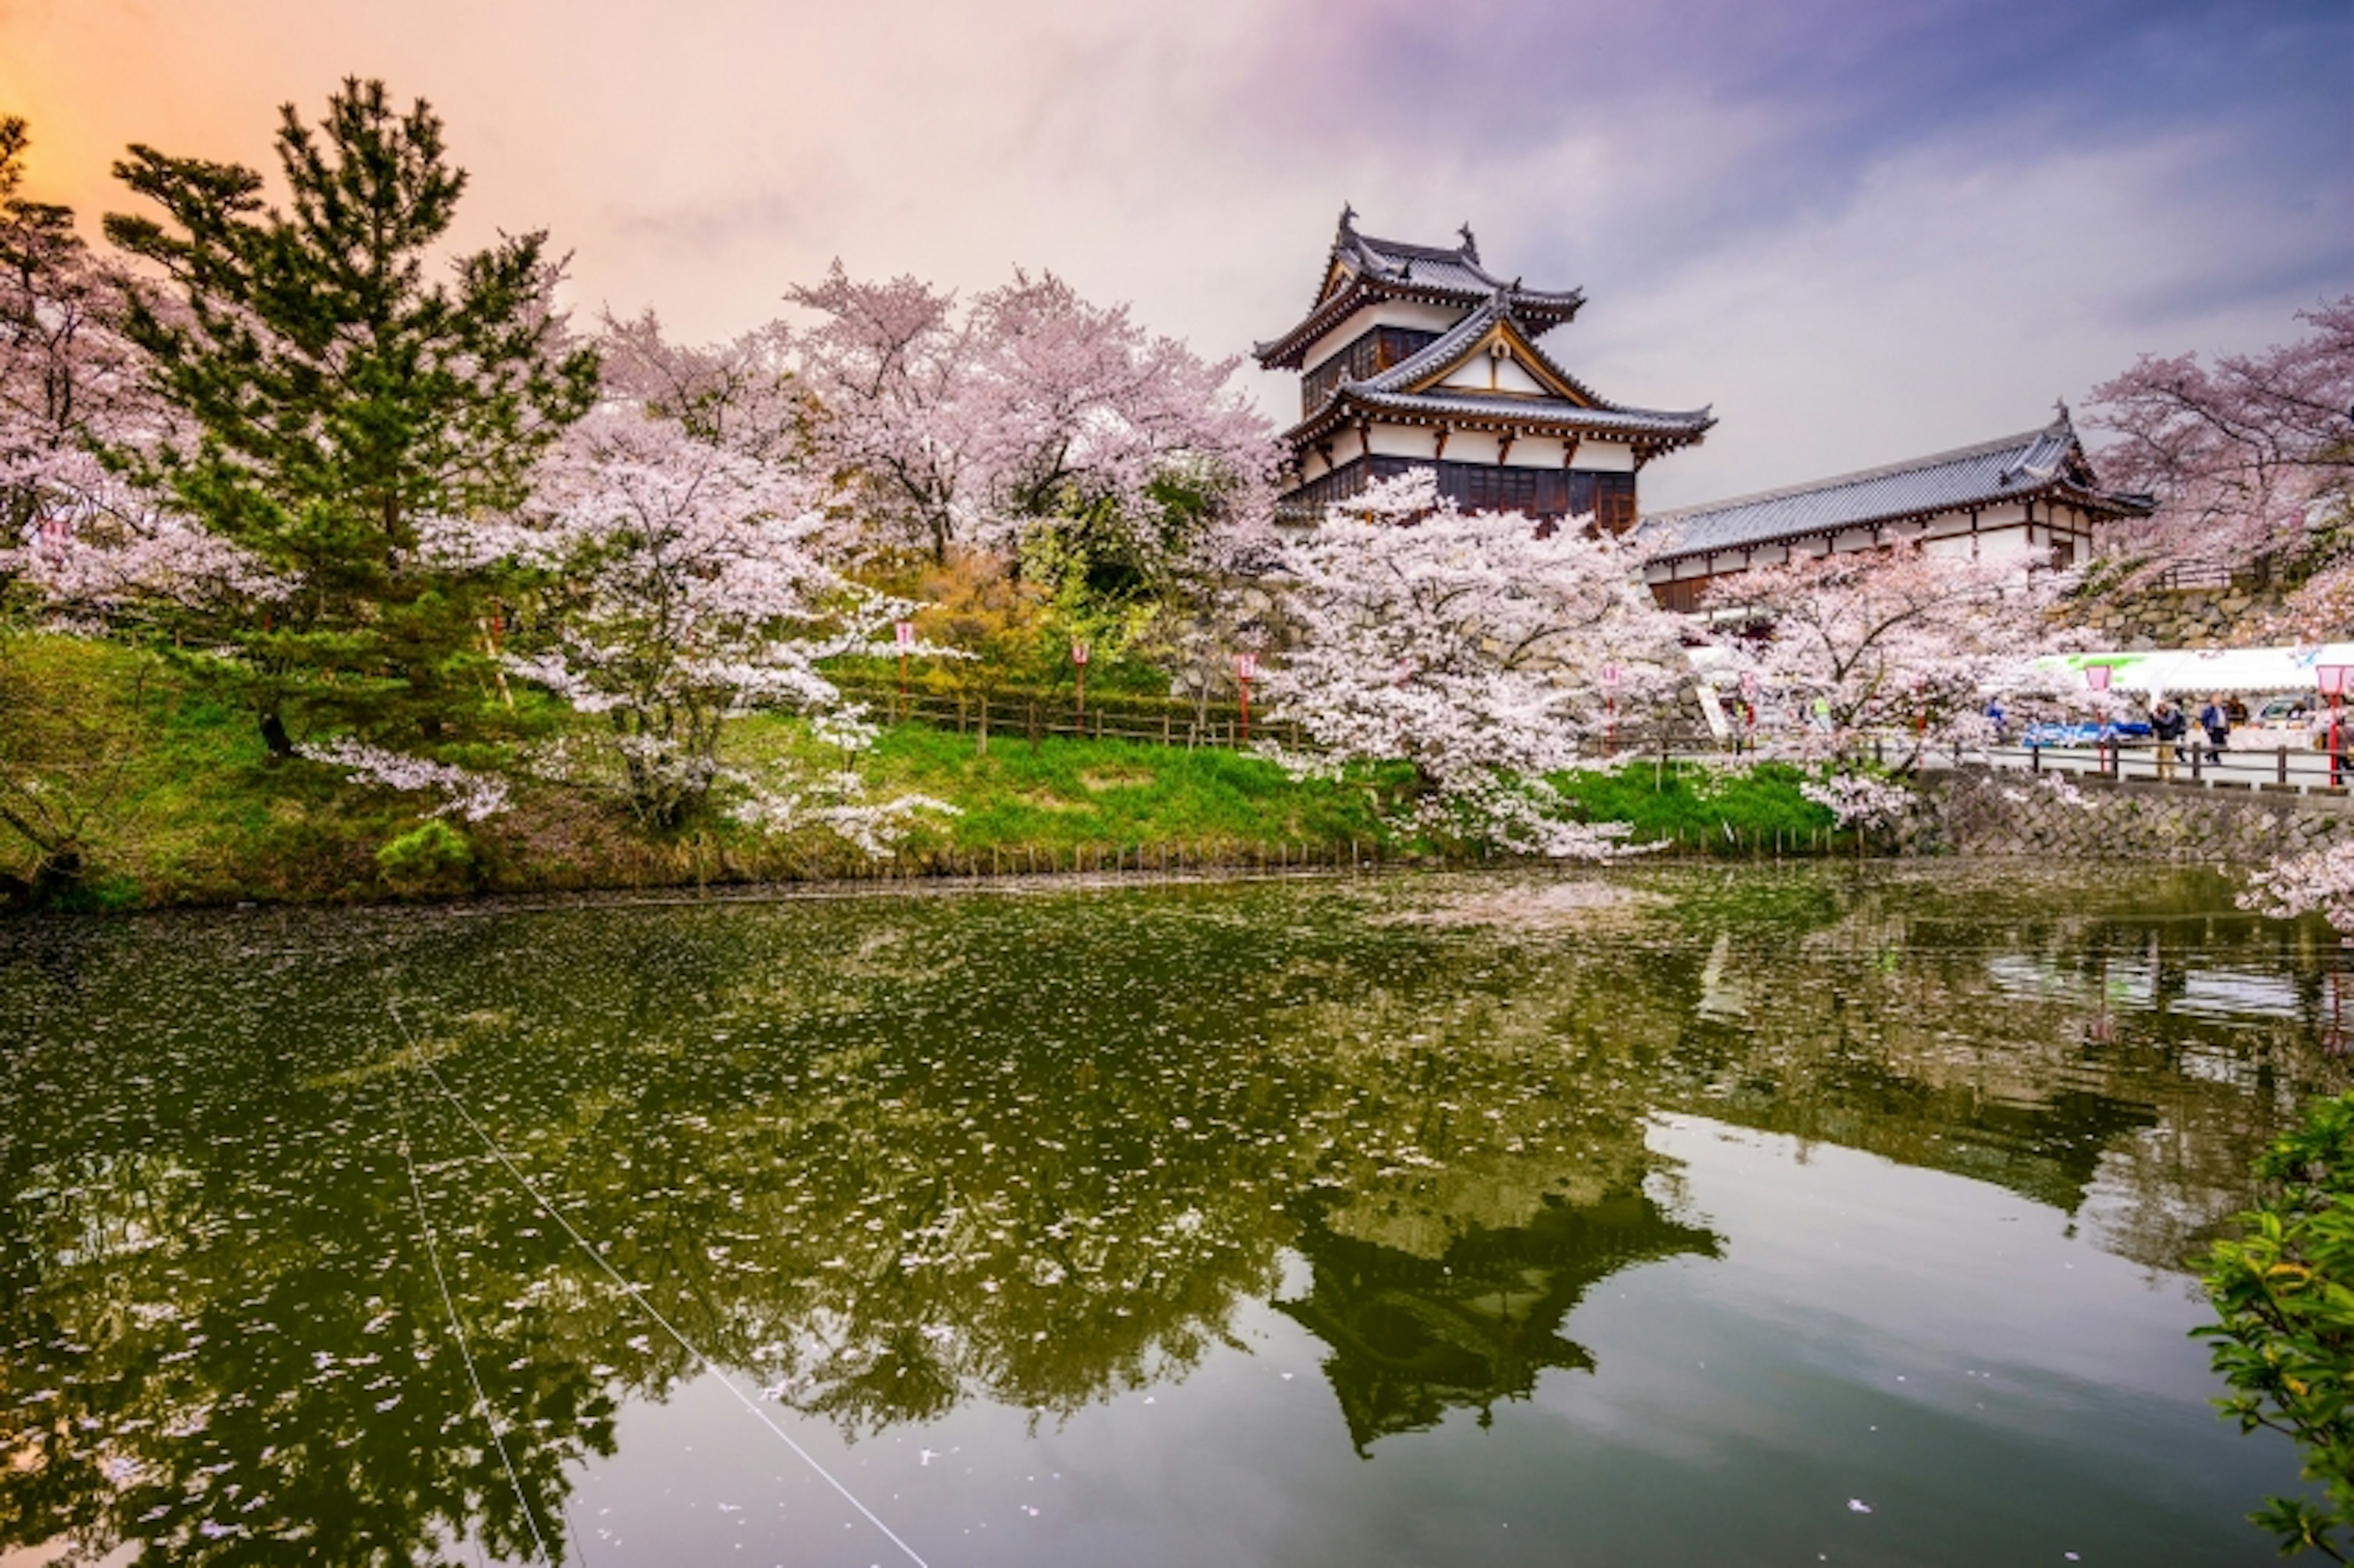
(1472, 374)
(1604, 457)
(1312, 464)
(1473, 446)
(1529, 451)
(1485, 373)
(1401, 440)
(1383, 313)
(1947, 538)
(1512, 376)
(2011, 543)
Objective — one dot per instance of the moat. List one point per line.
(1676, 1214)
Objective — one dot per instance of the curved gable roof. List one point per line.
(1412, 390)
(2047, 460)
(1362, 269)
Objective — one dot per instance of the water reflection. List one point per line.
(1414, 1335)
(890, 1160)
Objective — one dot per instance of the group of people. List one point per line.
(2169, 724)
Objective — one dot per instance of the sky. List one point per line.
(1862, 230)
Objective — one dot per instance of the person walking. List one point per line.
(2215, 718)
(2168, 724)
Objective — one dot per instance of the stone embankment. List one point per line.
(2174, 617)
(2059, 816)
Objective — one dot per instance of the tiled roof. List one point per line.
(2011, 469)
(1474, 406)
(1387, 269)
(1390, 392)
(1458, 269)
(1450, 345)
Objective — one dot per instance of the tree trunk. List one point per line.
(275, 737)
(59, 874)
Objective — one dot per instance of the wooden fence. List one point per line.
(1019, 713)
(1016, 714)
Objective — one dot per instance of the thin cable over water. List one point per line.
(465, 1351)
(637, 1296)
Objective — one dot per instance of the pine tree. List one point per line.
(339, 411)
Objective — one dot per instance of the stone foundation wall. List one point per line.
(2174, 617)
(2059, 817)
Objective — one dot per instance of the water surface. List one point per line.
(1770, 1215)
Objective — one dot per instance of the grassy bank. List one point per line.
(186, 807)
(1751, 811)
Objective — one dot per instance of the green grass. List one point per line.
(1741, 812)
(201, 815)
(1065, 794)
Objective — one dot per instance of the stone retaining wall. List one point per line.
(2173, 618)
(2064, 817)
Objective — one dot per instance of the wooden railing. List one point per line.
(1019, 713)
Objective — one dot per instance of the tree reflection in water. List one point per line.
(887, 1157)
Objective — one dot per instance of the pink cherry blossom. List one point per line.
(2320, 879)
(473, 795)
(1470, 647)
(2245, 457)
(1859, 799)
(967, 426)
(1894, 649)
(690, 584)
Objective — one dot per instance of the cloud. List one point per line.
(1863, 230)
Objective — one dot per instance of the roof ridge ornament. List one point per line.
(1470, 245)
(1348, 229)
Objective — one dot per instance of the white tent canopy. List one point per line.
(2181, 672)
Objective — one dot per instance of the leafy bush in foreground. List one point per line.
(2284, 1294)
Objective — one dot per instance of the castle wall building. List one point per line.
(2033, 498)
(1416, 357)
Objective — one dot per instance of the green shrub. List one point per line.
(2284, 1292)
(432, 857)
(1723, 810)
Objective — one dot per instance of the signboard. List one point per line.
(1712, 711)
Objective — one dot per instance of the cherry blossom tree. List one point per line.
(1472, 649)
(977, 425)
(1892, 647)
(2320, 608)
(63, 365)
(1860, 802)
(739, 395)
(687, 583)
(2246, 455)
(2320, 879)
(678, 574)
(464, 793)
(83, 542)
(80, 548)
